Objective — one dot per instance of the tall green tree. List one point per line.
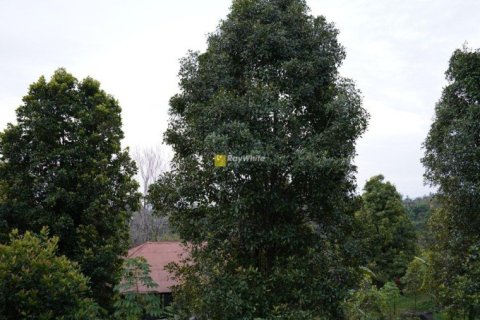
(62, 166)
(452, 160)
(271, 237)
(35, 283)
(388, 233)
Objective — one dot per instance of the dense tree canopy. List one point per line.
(419, 211)
(270, 238)
(62, 166)
(452, 161)
(388, 232)
(37, 284)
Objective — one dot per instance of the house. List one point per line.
(158, 255)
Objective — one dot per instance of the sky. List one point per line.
(397, 53)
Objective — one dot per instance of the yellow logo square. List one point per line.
(220, 160)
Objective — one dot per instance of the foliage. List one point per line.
(388, 233)
(62, 166)
(366, 302)
(132, 304)
(419, 211)
(390, 294)
(467, 286)
(451, 161)
(458, 294)
(270, 238)
(418, 279)
(422, 303)
(37, 284)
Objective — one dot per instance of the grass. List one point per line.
(424, 303)
(407, 303)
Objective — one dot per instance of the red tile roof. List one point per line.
(158, 255)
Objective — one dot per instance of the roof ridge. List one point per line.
(136, 249)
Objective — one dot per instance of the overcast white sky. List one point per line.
(397, 52)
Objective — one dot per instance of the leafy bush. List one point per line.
(366, 302)
(37, 284)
